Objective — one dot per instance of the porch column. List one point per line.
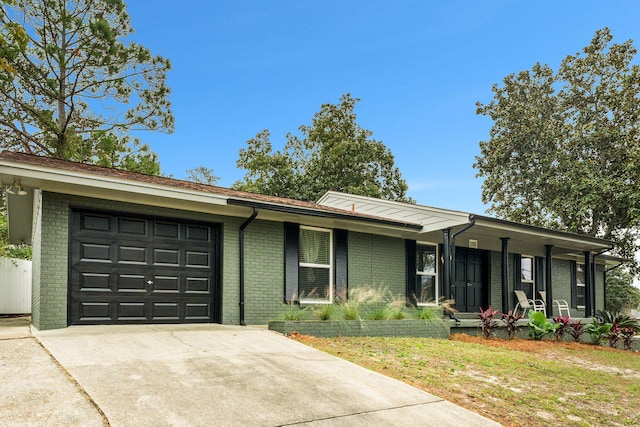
(505, 274)
(588, 309)
(446, 267)
(548, 278)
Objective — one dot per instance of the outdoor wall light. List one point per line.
(16, 188)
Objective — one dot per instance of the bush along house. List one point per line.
(117, 247)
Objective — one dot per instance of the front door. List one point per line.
(469, 279)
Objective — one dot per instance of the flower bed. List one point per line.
(355, 328)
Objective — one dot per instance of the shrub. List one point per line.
(539, 326)
(576, 329)
(614, 336)
(487, 321)
(511, 323)
(598, 331)
(622, 320)
(325, 312)
(428, 313)
(563, 327)
(627, 335)
(294, 312)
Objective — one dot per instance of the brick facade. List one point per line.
(377, 261)
(373, 260)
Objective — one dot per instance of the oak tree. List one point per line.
(564, 148)
(333, 153)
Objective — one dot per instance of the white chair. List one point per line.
(525, 304)
(560, 303)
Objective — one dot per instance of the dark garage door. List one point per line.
(133, 269)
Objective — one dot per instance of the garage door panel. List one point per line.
(131, 283)
(166, 229)
(129, 269)
(165, 311)
(95, 252)
(166, 284)
(132, 255)
(197, 259)
(97, 282)
(197, 311)
(166, 257)
(131, 311)
(95, 222)
(198, 233)
(132, 226)
(94, 311)
(198, 285)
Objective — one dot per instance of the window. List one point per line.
(527, 277)
(426, 274)
(315, 265)
(580, 288)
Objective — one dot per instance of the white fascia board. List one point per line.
(552, 235)
(431, 219)
(73, 182)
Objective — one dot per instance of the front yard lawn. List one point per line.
(517, 383)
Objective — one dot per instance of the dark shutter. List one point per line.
(574, 284)
(291, 244)
(517, 271)
(341, 266)
(410, 255)
(539, 275)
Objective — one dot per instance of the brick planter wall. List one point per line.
(357, 328)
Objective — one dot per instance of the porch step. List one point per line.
(466, 316)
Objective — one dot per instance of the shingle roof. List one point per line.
(47, 162)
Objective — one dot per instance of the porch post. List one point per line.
(505, 275)
(446, 273)
(548, 278)
(588, 309)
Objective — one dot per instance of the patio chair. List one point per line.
(560, 303)
(525, 303)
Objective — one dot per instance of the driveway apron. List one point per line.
(215, 375)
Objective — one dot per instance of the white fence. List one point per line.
(15, 286)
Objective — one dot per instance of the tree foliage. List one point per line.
(333, 153)
(8, 250)
(564, 149)
(79, 86)
(622, 296)
(13, 40)
(203, 175)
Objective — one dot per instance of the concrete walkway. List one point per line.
(36, 391)
(197, 375)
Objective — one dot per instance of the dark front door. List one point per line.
(469, 279)
(138, 269)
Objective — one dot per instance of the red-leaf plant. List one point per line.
(511, 323)
(564, 327)
(487, 321)
(575, 329)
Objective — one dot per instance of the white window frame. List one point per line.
(533, 273)
(580, 285)
(434, 274)
(329, 266)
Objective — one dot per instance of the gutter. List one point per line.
(241, 236)
(298, 210)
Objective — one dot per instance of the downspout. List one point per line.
(452, 252)
(241, 234)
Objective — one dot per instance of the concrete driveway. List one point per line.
(197, 375)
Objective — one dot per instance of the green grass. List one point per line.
(542, 384)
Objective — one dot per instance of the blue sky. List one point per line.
(419, 67)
